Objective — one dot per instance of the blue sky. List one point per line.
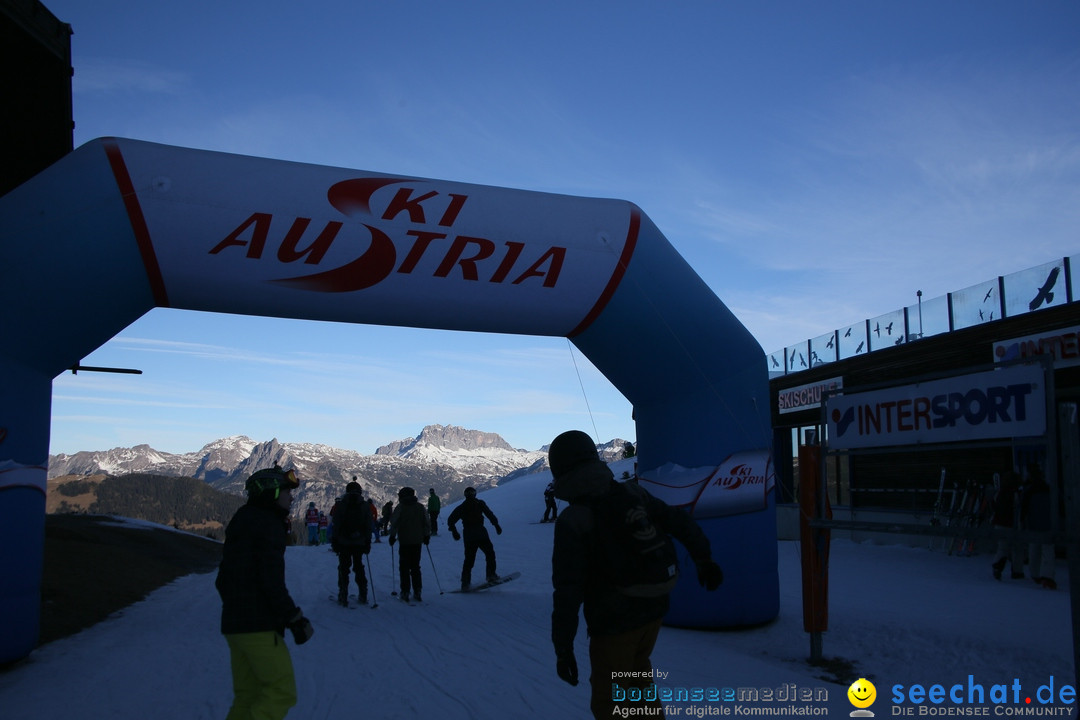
(815, 163)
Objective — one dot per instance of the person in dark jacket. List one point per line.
(255, 604)
(1004, 516)
(471, 513)
(409, 523)
(622, 628)
(1036, 515)
(352, 540)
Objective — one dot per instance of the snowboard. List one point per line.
(485, 585)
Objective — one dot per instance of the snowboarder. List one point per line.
(433, 507)
(622, 626)
(352, 540)
(255, 604)
(409, 523)
(311, 519)
(471, 512)
(551, 510)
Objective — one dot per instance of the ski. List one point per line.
(354, 602)
(351, 605)
(485, 585)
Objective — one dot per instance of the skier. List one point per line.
(622, 624)
(374, 521)
(311, 519)
(255, 604)
(352, 540)
(551, 511)
(409, 523)
(324, 527)
(387, 511)
(433, 507)
(471, 512)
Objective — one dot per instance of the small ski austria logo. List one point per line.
(972, 698)
(632, 699)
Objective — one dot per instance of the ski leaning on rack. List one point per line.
(489, 584)
(975, 506)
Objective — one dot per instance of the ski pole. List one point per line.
(433, 568)
(371, 583)
(393, 574)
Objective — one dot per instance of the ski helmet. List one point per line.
(268, 483)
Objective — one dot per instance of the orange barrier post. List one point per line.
(814, 504)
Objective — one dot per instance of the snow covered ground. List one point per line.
(899, 616)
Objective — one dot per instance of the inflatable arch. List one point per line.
(119, 227)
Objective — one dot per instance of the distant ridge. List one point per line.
(444, 457)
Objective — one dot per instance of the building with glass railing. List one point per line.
(1031, 316)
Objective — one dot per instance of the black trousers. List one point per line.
(477, 539)
(409, 568)
(351, 559)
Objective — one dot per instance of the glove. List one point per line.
(566, 666)
(454, 532)
(301, 628)
(498, 530)
(392, 540)
(709, 575)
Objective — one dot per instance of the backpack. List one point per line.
(635, 556)
(352, 520)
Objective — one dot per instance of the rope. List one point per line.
(570, 347)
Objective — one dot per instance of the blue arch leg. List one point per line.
(25, 400)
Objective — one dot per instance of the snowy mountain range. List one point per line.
(444, 457)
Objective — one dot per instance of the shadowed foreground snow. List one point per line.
(898, 616)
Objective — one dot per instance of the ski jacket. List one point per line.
(352, 523)
(410, 522)
(1005, 502)
(251, 578)
(311, 517)
(1035, 507)
(433, 503)
(575, 560)
(471, 513)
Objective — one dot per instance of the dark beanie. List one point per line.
(569, 450)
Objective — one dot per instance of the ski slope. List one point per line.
(898, 615)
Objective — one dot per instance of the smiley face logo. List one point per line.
(862, 693)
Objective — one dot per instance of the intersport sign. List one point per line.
(1003, 403)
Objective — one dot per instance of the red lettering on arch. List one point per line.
(468, 265)
(260, 228)
(556, 255)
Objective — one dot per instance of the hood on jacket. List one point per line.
(576, 468)
(590, 479)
